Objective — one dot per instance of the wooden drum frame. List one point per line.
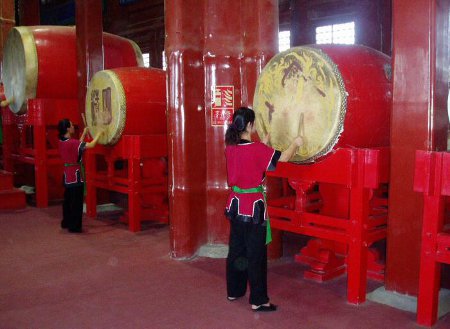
(130, 101)
(332, 95)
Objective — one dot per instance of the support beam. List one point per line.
(7, 21)
(220, 52)
(419, 122)
(89, 45)
(28, 12)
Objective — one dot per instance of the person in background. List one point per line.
(247, 162)
(71, 151)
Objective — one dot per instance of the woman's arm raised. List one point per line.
(287, 154)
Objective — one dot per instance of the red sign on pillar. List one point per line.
(222, 105)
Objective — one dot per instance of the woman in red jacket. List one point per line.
(71, 151)
(247, 163)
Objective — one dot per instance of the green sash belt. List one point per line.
(258, 189)
(72, 164)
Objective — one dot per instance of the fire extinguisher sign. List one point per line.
(222, 105)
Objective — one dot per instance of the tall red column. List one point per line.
(89, 45)
(215, 51)
(29, 12)
(419, 122)
(7, 21)
(186, 125)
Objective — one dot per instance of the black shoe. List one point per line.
(264, 308)
(233, 298)
(63, 224)
(78, 230)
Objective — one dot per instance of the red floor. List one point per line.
(112, 278)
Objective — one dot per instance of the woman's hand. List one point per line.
(84, 134)
(99, 133)
(298, 141)
(266, 139)
(287, 154)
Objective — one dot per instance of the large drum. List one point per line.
(41, 62)
(333, 95)
(129, 101)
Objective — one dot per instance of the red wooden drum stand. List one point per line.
(144, 181)
(32, 139)
(363, 172)
(339, 99)
(129, 105)
(10, 197)
(40, 80)
(432, 178)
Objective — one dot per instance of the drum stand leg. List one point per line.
(40, 167)
(134, 204)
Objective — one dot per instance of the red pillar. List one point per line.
(89, 45)
(419, 122)
(29, 12)
(7, 21)
(221, 60)
(186, 125)
(224, 48)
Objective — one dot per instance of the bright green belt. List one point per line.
(257, 189)
(248, 190)
(72, 164)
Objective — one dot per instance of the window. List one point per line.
(146, 57)
(337, 33)
(284, 40)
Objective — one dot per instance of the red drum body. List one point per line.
(41, 62)
(129, 101)
(333, 95)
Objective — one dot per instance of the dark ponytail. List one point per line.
(63, 126)
(241, 118)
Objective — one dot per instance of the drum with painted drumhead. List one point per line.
(129, 101)
(333, 95)
(41, 62)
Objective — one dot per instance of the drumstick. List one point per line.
(84, 119)
(85, 123)
(301, 127)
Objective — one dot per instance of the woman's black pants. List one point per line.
(73, 208)
(247, 261)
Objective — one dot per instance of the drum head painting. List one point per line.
(301, 92)
(106, 107)
(20, 68)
